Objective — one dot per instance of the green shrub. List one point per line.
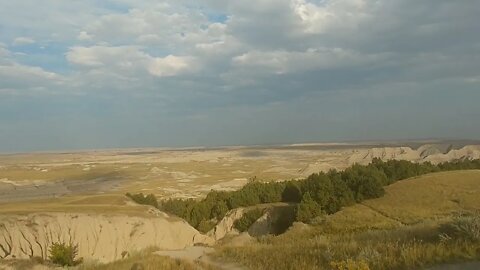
(139, 198)
(330, 191)
(463, 227)
(365, 182)
(206, 225)
(243, 224)
(307, 209)
(64, 254)
(292, 192)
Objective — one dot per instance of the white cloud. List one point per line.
(331, 14)
(170, 65)
(83, 35)
(142, 40)
(104, 56)
(168, 26)
(128, 61)
(282, 61)
(21, 77)
(19, 41)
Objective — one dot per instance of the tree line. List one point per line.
(319, 193)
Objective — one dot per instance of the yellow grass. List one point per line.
(432, 197)
(106, 204)
(398, 231)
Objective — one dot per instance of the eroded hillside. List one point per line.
(99, 236)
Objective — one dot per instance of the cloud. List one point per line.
(169, 66)
(312, 59)
(16, 77)
(128, 60)
(178, 59)
(19, 41)
(26, 78)
(83, 35)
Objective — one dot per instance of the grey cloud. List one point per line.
(276, 66)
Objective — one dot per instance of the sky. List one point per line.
(109, 74)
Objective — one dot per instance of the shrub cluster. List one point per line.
(144, 199)
(64, 254)
(319, 193)
(463, 227)
(248, 218)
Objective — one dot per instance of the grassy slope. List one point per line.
(398, 231)
(433, 197)
(98, 204)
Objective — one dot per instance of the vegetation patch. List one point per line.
(405, 247)
(146, 260)
(243, 224)
(64, 254)
(139, 198)
(463, 227)
(320, 193)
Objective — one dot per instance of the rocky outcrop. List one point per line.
(99, 237)
(432, 153)
(225, 226)
(365, 156)
(276, 219)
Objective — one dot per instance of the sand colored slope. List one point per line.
(99, 237)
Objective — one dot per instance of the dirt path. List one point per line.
(384, 214)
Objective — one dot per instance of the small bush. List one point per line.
(464, 227)
(64, 254)
(139, 198)
(248, 218)
(206, 225)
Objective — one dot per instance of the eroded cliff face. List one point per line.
(226, 225)
(431, 153)
(99, 237)
(276, 219)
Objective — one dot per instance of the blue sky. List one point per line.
(101, 74)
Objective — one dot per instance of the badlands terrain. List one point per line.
(80, 197)
(191, 173)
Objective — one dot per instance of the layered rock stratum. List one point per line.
(99, 237)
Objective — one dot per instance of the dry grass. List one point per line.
(431, 196)
(434, 197)
(408, 247)
(399, 231)
(98, 204)
(146, 260)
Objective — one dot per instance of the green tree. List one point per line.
(307, 209)
(248, 218)
(292, 192)
(365, 182)
(219, 210)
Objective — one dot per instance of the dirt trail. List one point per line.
(399, 221)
